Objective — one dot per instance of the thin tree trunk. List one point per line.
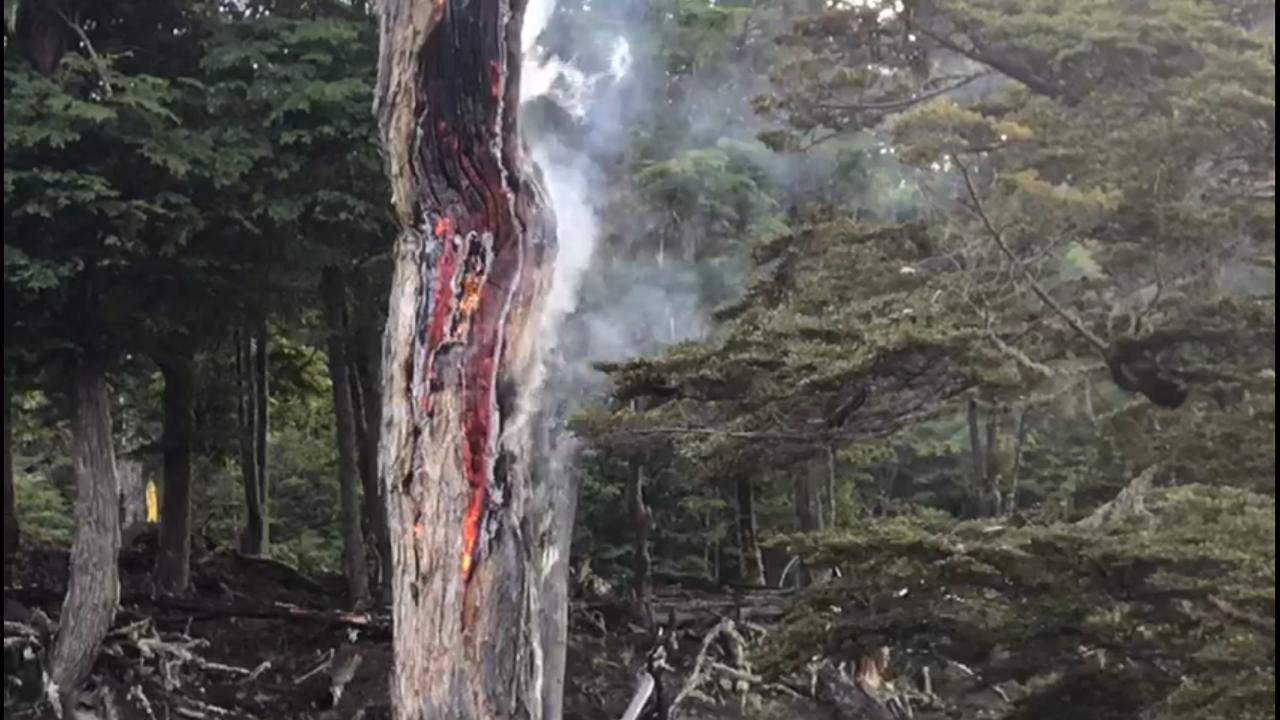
(748, 540)
(729, 556)
(641, 523)
(93, 586)
(173, 556)
(978, 458)
(260, 401)
(252, 535)
(365, 354)
(991, 465)
(471, 533)
(333, 297)
(10, 507)
(1011, 507)
(831, 486)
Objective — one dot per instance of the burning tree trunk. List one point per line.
(470, 532)
(173, 566)
(93, 587)
(333, 296)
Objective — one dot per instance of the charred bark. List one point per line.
(253, 535)
(93, 587)
(173, 555)
(752, 562)
(470, 537)
(333, 297)
(10, 507)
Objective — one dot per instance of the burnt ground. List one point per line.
(257, 639)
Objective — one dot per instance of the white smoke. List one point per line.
(567, 173)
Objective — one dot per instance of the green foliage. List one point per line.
(1026, 603)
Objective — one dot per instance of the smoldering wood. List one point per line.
(467, 512)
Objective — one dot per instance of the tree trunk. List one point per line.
(93, 586)
(752, 562)
(253, 535)
(641, 521)
(471, 533)
(1011, 506)
(831, 486)
(365, 351)
(10, 507)
(173, 556)
(992, 465)
(333, 297)
(978, 458)
(261, 397)
(728, 554)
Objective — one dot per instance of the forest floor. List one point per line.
(257, 639)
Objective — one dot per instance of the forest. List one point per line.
(639, 359)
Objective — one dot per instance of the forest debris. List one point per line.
(324, 664)
(645, 684)
(1128, 503)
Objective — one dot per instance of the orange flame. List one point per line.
(471, 530)
(443, 226)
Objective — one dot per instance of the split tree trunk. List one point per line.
(471, 534)
(173, 556)
(748, 536)
(93, 586)
(333, 297)
(253, 535)
(10, 507)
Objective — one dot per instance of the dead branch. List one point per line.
(645, 683)
(1263, 624)
(98, 63)
(1036, 288)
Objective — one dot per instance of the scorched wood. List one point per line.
(469, 530)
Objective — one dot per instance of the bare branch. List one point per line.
(1074, 322)
(88, 47)
(903, 103)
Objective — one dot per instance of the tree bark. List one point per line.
(10, 506)
(333, 297)
(261, 397)
(93, 587)
(173, 556)
(471, 533)
(641, 522)
(752, 562)
(253, 535)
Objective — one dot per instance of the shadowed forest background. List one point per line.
(934, 339)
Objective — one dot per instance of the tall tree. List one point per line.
(469, 516)
(333, 298)
(10, 508)
(173, 553)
